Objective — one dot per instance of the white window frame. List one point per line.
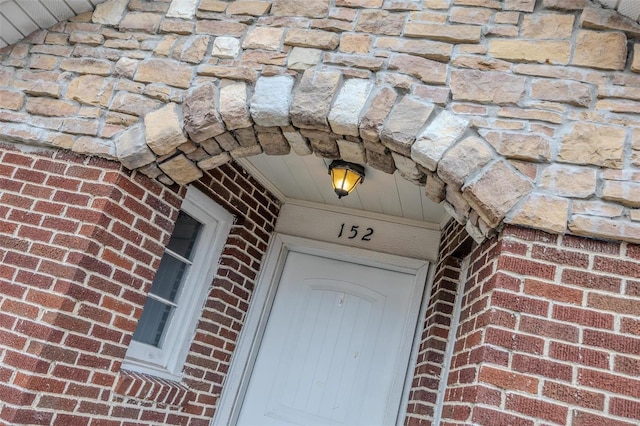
(167, 362)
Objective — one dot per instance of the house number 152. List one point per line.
(354, 232)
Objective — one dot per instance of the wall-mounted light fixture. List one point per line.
(345, 176)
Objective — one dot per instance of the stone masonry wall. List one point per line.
(549, 333)
(80, 241)
(522, 111)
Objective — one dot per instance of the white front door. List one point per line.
(332, 352)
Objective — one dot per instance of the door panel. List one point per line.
(329, 354)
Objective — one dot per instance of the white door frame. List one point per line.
(244, 357)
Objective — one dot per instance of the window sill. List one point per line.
(147, 388)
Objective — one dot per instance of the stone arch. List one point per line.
(193, 102)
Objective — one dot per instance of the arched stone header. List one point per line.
(502, 112)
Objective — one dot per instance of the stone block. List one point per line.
(434, 188)
(496, 191)
(181, 170)
(213, 6)
(425, 69)
(214, 161)
(543, 212)
(587, 143)
(136, 21)
(271, 101)
(344, 117)
(10, 99)
(569, 181)
(227, 142)
(201, 117)
(566, 91)
(520, 146)
(273, 143)
(456, 205)
(133, 104)
(543, 51)
(610, 229)
(265, 38)
(163, 129)
(635, 148)
(172, 73)
(193, 49)
(381, 161)
(298, 143)
(625, 193)
(125, 67)
(87, 66)
(605, 19)
(596, 208)
(304, 8)
(376, 113)
(91, 89)
(408, 169)
(51, 107)
(131, 148)
(435, 50)
(226, 47)
(602, 50)
(547, 26)
(566, 4)
(233, 106)
(355, 43)
(246, 137)
(353, 152)
(437, 138)
(220, 28)
(183, 9)
(447, 33)
(302, 58)
(354, 61)
(487, 87)
(464, 160)
(312, 99)
(246, 151)
(323, 144)
(404, 124)
(312, 38)
(253, 8)
(228, 72)
(110, 12)
(87, 145)
(380, 22)
(520, 5)
(366, 4)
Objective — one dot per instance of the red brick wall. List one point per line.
(550, 331)
(454, 245)
(80, 240)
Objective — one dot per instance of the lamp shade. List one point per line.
(345, 176)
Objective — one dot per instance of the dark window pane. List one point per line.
(168, 278)
(155, 317)
(184, 235)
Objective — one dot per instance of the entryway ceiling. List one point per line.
(306, 178)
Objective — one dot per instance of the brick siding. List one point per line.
(549, 332)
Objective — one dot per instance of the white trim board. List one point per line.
(360, 231)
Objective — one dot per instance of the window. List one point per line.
(166, 328)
